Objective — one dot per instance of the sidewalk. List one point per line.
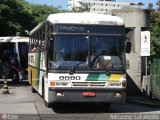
(143, 101)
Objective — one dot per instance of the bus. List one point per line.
(14, 58)
(80, 57)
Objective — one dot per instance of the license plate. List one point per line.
(89, 94)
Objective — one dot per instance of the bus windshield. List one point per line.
(70, 50)
(94, 50)
(73, 51)
(9, 53)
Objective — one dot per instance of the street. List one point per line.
(21, 103)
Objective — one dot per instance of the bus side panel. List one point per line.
(41, 80)
(36, 70)
(32, 77)
(42, 71)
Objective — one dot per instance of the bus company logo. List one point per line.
(4, 116)
(89, 84)
(69, 78)
(9, 117)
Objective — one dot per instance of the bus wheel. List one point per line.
(14, 76)
(33, 90)
(47, 104)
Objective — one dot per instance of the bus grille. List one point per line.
(88, 84)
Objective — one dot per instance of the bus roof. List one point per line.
(85, 18)
(81, 18)
(14, 39)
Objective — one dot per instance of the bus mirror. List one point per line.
(128, 47)
(127, 64)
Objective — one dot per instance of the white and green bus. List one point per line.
(13, 58)
(80, 57)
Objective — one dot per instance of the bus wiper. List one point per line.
(94, 60)
(107, 72)
(53, 64)
(72, 68)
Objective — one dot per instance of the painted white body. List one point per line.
(54, 82)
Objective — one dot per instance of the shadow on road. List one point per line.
(81, 108)
(21, 83)
(25, 95)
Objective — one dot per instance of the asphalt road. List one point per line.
(22, 104)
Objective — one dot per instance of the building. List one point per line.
(73, 3)
(134, 26)
(101, 6)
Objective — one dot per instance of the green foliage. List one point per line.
(155, 40)
(19, 15)
(155, 35)
(40, 12)
(10, 11)
(155, 16)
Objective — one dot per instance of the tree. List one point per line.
(19, 16)
(155, 33)
(40, 12)
(13, 16)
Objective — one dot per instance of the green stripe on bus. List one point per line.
(103, 77)
(38, 70)
(97, 77)
(92, 77)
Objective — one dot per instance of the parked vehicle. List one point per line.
(14, 58)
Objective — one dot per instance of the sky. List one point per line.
(63, 3)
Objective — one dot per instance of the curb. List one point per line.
(143, 103)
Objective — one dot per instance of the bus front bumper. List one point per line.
(58, 95)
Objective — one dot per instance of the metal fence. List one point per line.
(155, 78)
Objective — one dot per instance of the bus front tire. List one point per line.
(33, 90)
(48, 105)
